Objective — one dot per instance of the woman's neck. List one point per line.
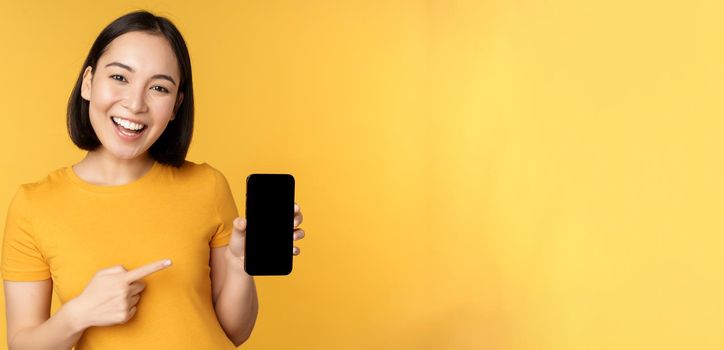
(102, 168)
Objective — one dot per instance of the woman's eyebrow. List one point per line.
(119, 64)
(157, 76)
(164, 76)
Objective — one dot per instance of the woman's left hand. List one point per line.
(238, 234)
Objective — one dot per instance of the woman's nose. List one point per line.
(135, 100)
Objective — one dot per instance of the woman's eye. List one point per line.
(118, 77)
(160, 88)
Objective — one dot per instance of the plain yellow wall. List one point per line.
(473, 174)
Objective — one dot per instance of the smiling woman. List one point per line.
(138, 65)
(132, 109)
(132, 94)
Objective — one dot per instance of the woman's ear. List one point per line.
(178, 103)
(85, 87)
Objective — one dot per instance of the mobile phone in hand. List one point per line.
(269, 224)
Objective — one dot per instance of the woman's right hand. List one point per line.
(111, 296)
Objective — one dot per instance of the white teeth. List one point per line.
(128, 124)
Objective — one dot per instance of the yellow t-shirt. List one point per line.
(67, 229)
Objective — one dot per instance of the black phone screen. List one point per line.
(269, 224)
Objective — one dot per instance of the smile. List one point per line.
(128, 130)
(127, 124)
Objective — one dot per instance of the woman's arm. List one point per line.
(233, 290)
(236, 305)
(28, 318)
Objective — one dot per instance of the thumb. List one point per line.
(237, 243)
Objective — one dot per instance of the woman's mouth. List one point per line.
(128, 130)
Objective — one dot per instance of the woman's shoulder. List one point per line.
(198, 168)
(42, 187)
(201, 171)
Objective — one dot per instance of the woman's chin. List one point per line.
(124, 153)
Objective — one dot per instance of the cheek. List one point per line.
(162, 108)
(103, 97)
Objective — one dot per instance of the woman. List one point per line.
(104, 231)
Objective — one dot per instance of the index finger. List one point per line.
(145, 270)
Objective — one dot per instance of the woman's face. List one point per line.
(134, 83)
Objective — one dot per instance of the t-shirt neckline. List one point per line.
(131, 186)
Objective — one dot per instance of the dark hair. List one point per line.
(172, 146)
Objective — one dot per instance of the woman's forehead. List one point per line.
(143, 53)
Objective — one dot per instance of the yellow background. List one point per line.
(473, 174)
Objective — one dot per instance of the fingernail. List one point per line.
(167, 263)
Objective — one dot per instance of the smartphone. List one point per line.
(269, 224)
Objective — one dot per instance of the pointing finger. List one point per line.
(145, 270)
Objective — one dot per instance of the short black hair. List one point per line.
(172, 146)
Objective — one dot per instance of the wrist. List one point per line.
(74, 316)
(235, 264)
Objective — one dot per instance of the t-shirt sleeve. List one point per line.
(22, 259)
(226, 211)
